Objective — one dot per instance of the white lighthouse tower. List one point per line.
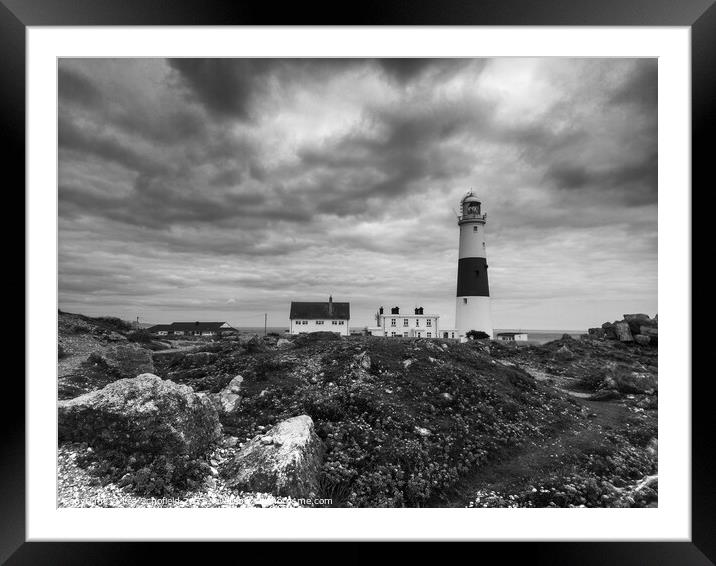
(472, 310)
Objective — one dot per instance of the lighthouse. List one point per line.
(472, 309)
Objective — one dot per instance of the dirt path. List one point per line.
(522, 466)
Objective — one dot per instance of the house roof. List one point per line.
(159, 327)
(190, 326)
(320, 311)
(510, 333)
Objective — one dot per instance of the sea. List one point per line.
(534, 336)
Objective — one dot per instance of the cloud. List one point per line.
(239, 184)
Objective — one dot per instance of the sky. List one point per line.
(223, 189)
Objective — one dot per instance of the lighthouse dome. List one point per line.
(469, 197)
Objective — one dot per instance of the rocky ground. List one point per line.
(359, 421)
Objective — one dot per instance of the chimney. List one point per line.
(417, 310)
(330, 305)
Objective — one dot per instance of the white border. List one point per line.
(670, 521)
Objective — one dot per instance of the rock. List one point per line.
(228, 399)
(640, 316)
(364, 361)
(231, 441)
(596, 333)
(635, 321)
(635, 382)
(447, 396)
(283, 343)
(652, 332)
(145, 414)
(567, 337)
(407, 363)
(422, 431)
(623, 331)
(642, 340)
(290, 466)
(564, 353)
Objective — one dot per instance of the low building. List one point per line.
(512, 336)
(306, 317)
(192, 329)
(414, 325)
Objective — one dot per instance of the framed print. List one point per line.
(264, 241)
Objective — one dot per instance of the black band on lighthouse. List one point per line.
(472, 277)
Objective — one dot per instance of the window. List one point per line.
(418, 334)
(417, 322)
(474, 228)
(334, 322)
(464, 301)
(452, 335)
(319, 322)
(405, 334)
(429, 322)
(405, 322)
(341, 322)
(430, 334)
(392, 322)
(392, 333)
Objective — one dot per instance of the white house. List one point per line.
(513, 336)
(320, 317)
(415, 325)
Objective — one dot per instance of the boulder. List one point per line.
(652, 332)
(642, 340)
(609, 330)
(283, 343)
(635, 382)
(289, 465)
(623, 331)
(635, 321)
(141, 414)
(229, 398)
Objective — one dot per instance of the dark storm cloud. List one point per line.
(223, 86)
(74, 88)
(641, 87)
(107, 146)
(635, 183)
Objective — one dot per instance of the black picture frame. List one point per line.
(699, 15)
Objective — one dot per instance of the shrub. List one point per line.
(145, 474)
(113, 323)
(477, 335)
(140, 337)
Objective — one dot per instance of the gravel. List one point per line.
(77, 488)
